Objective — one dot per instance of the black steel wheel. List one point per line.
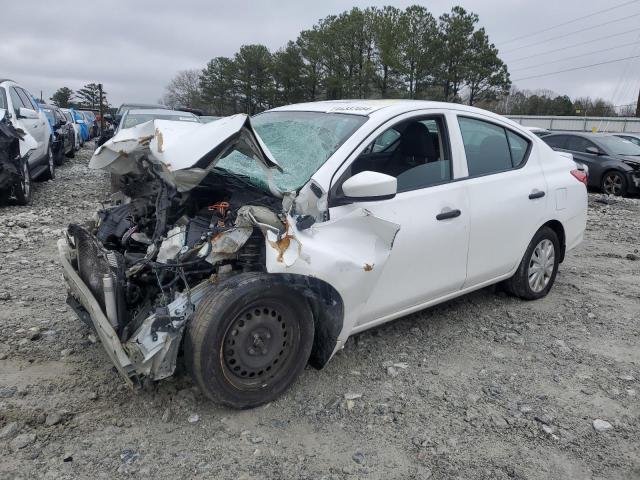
(259, 342)
(614, 183)
(249, 340)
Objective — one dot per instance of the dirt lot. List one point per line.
(483, 387)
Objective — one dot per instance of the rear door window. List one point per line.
(556, 141)
(491, 148)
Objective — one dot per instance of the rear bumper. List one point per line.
(81, 293)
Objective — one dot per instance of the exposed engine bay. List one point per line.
(149, 257)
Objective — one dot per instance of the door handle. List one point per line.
(536, 194)
(448, 214)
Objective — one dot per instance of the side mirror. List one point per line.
(593, 150)
(370, 186)
(27, 113)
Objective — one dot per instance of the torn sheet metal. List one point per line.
(349, 253)
(153, 348)
(185, 151)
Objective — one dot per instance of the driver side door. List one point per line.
(428, 259)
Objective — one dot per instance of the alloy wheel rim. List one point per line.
(541, 265)
(613, 184)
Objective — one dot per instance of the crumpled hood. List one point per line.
(185, 151)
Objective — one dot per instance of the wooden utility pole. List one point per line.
(101, 110)
(638, 105)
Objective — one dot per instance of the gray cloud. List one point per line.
(135, 48)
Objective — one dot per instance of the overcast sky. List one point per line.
(135, 47)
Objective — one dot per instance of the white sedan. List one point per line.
(259, 245)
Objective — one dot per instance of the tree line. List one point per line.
(88, 98)
(547, 102)
(361, 53)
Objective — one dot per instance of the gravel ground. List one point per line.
(482, 387)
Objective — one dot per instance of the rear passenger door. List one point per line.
(507, 196)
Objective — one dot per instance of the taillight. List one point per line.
(580, 175)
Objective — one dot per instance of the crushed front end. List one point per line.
(137, 271)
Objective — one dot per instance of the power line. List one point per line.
(574, 45)
(576, 68)
(569, 22)
(572, 33)
(576, 56)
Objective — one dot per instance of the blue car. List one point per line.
(81, 122)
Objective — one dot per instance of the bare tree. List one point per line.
(184, 90)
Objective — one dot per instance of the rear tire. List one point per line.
(249, 340)
(614, 183)
(538, 268)
(22, 189)
(50, 172)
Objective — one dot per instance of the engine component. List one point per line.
(170, 248)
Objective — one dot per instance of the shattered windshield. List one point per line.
(300, 142)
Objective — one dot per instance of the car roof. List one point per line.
(131, 106)
(583, 134)
(158, 111)
(384, 109)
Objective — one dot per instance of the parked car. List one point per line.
(540, 132)
(14, 171)
(22, 111)
(632, 137)
(134, 117)
(614, 163)
(90, 120)
(68, 114)
(63, 138)
(83, 126)
(258, 245)
(125, 107)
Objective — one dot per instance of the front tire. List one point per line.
(614, 183)
(22, 189)
(249, 340)
(538, 268)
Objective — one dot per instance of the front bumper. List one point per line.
(633, 181)
(109, 338)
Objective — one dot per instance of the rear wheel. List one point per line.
(538, 268)
(614, 183)
(249, 340)
(22, 189)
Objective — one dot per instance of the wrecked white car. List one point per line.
(251, 247)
